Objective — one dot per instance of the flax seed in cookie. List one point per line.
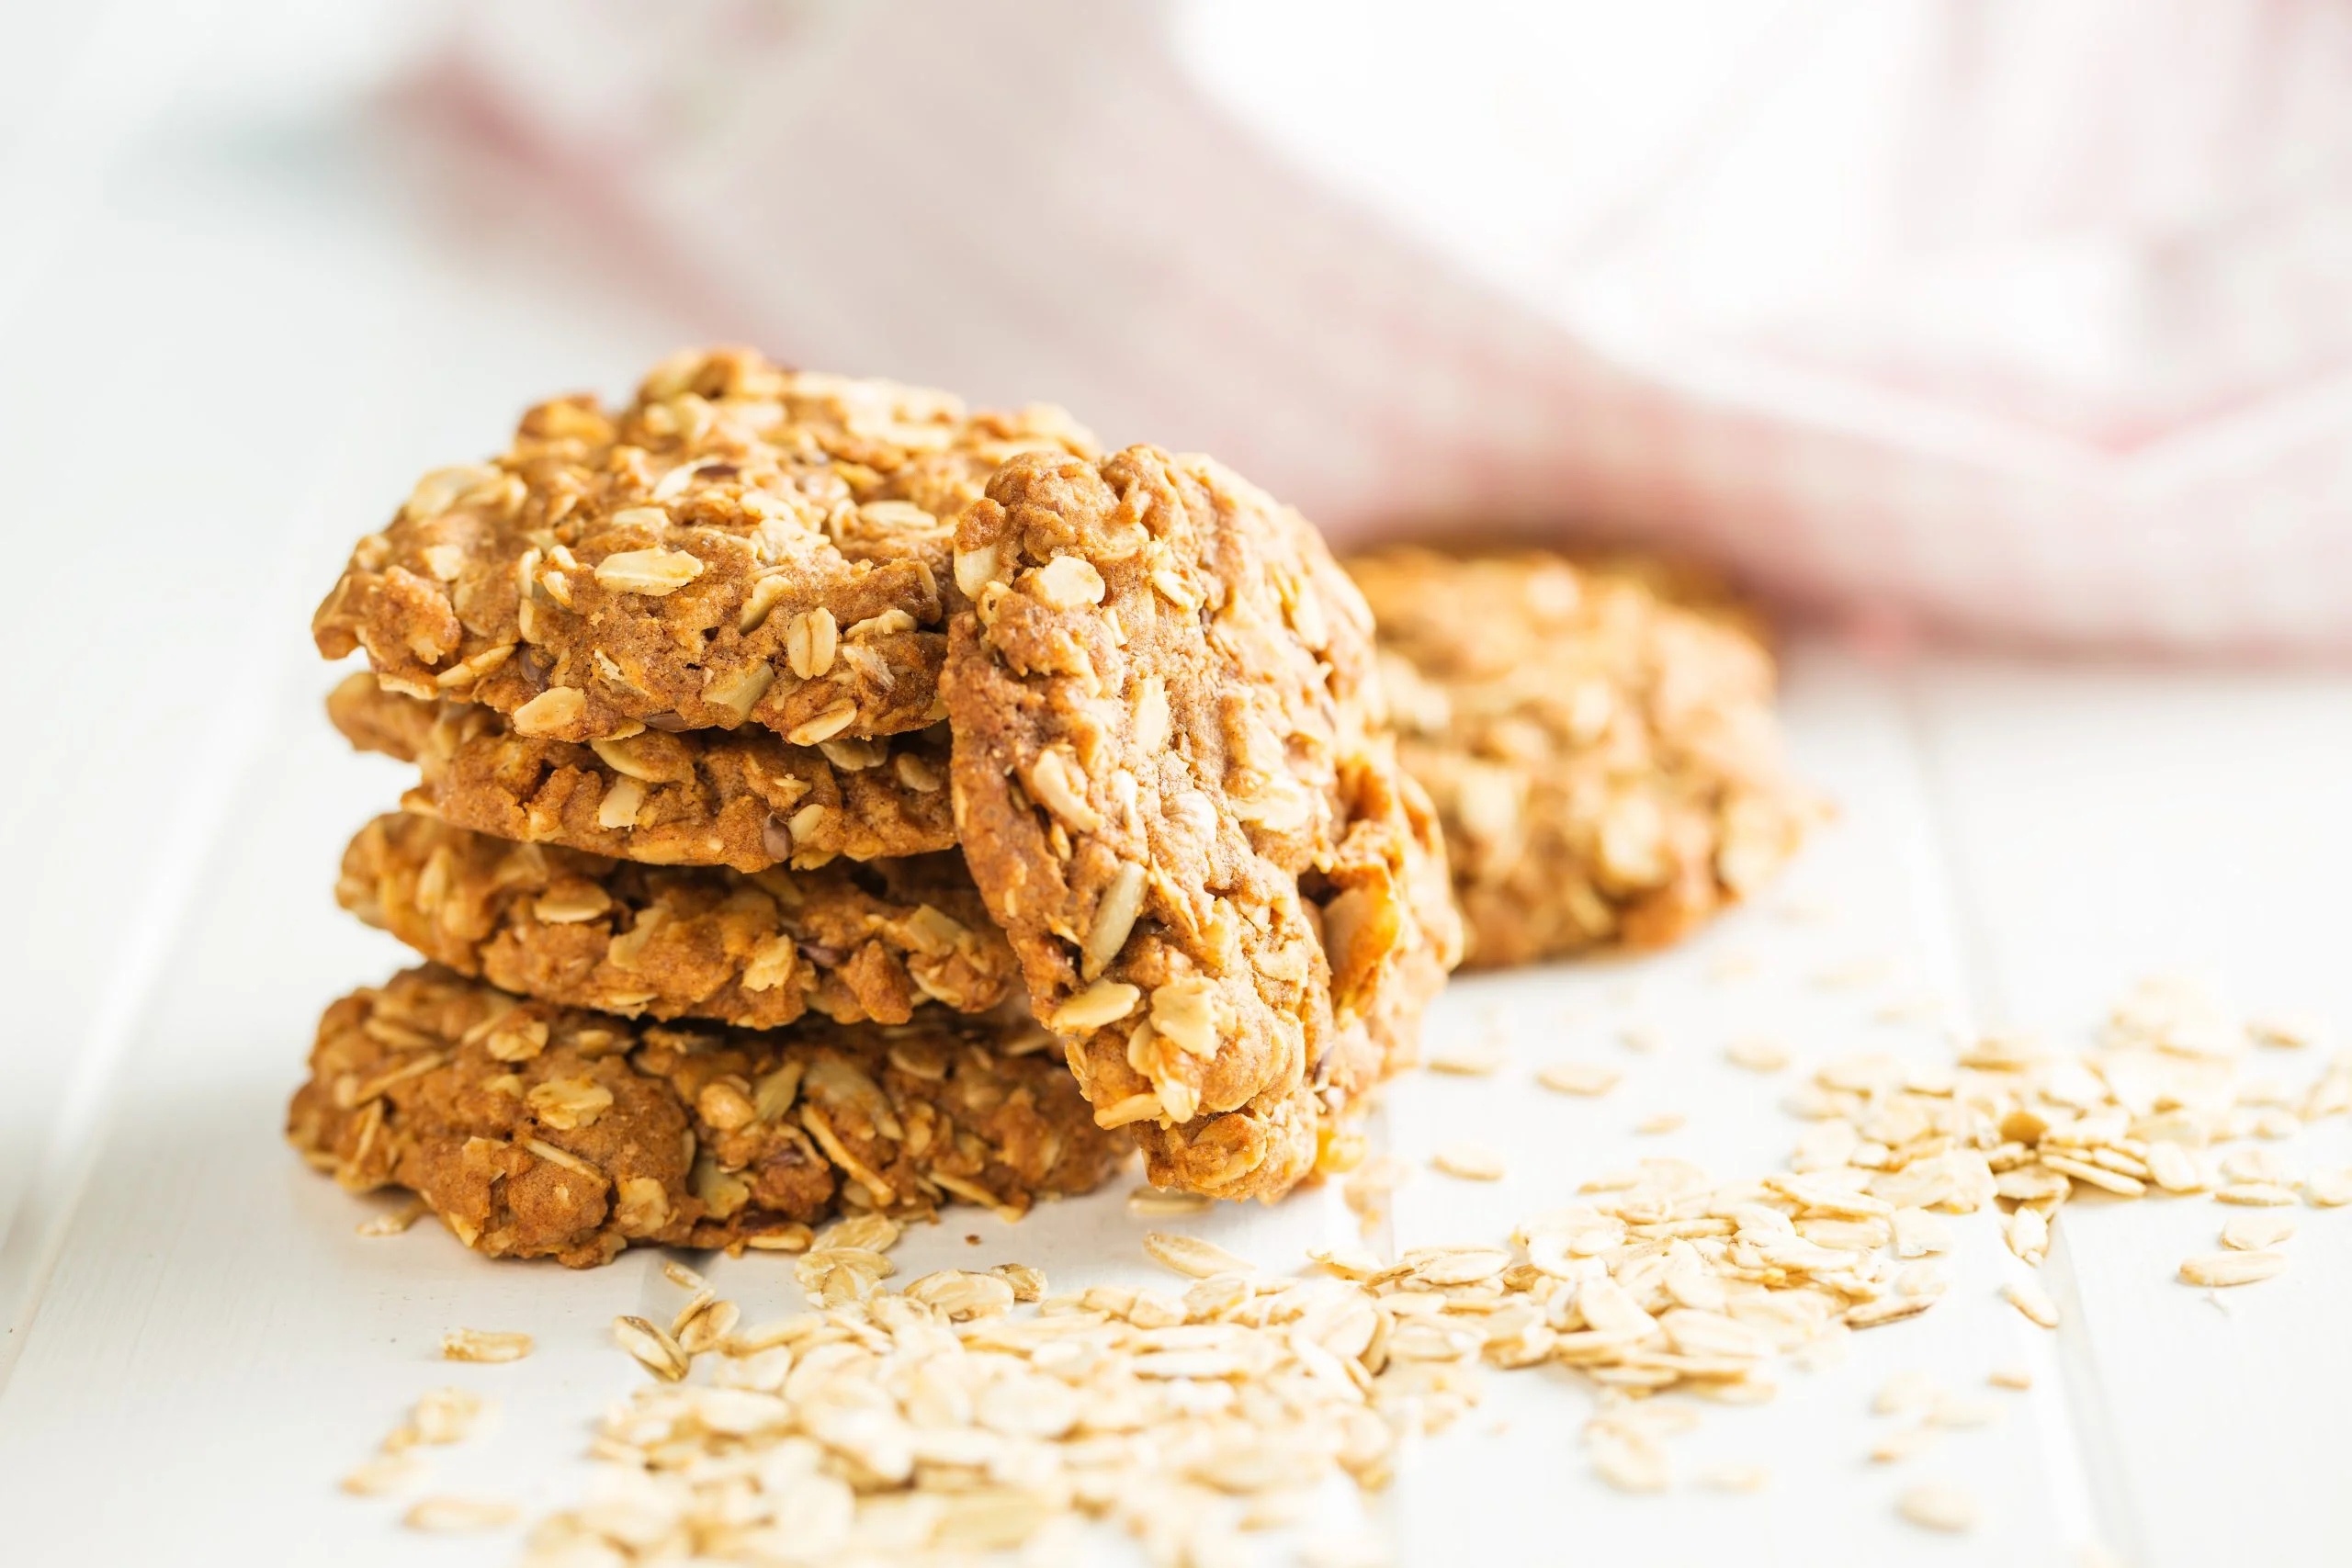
(745, 798)
(740, 544)
(537, 1131)
(852, 943)
(1601, 744)
(1175, 787)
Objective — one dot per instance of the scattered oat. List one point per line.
(1349, 1551)
(442, 1415)
(1470, 1162)
(2258, 1230)
(832, 1276)
(652, 1345)
(1628, 1459)
(2028, 1234)
(1901, 1444)
(1923, 1008)
(2177, 1169)
(2328, 1189)
(1853, 974)
(1749, 1478)
(1937, 1506)
(2276, 1122)
(1885, 1310)
(2253, 1165)
(392, 1222)
(959, 1295)
(866, 1233)
(949, 1417)
(2286, 1031)
(795, 1237)
(1905, 1394)
(682, 1277)
(2032, 1301)
(1191, 1256)
(1957, 1410)
(694, 1307)
(896, 1426)
(2223, 1269)
(1578, 1078)
(1367, 1188)
(2009, 1375)
(706, 1327)
(1028, 1285)
(1925, 1278)
(1469, 1059)
(1152, 1203)
(1347, 1263)
(453, 1516)
(1919, 1233)
(2255, 1194)
(383, 1473)
(483, 1345)
(1660, 1122)
(2093, 1174)
(1758, 1055)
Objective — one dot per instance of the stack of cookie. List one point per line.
(830, 799)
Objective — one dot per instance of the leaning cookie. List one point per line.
(852, 943)
(741, 544)
(1167, 729)
(537, 1131)
(1601, 744)
(743, 798)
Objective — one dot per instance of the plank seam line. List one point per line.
(32, 1241)
(2081, 1408)
(63, 1172)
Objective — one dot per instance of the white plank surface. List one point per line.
(196, 1342)
(1879, 878)
(2106, 824)
(193, 447)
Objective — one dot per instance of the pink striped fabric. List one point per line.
(1062, 200)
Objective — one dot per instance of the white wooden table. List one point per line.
(221, 355)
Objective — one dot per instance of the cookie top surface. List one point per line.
(1600, 740)
(541, 1130)
(1159, 698)
(746, 799)
(741, 544)
(849, 942)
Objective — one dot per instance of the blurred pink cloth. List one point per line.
(2028, 319)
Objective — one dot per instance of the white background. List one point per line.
(232, 327)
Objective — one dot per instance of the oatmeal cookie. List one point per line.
(1174, 787)
(538, 1130)
(741, 544)
(745, 799)
(854, 942)
(1599, 741)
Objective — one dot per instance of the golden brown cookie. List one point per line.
(1175, 790)
(740, 544)
(851, 942)
(537, 1131)
(1605, 757)
(743, 798)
